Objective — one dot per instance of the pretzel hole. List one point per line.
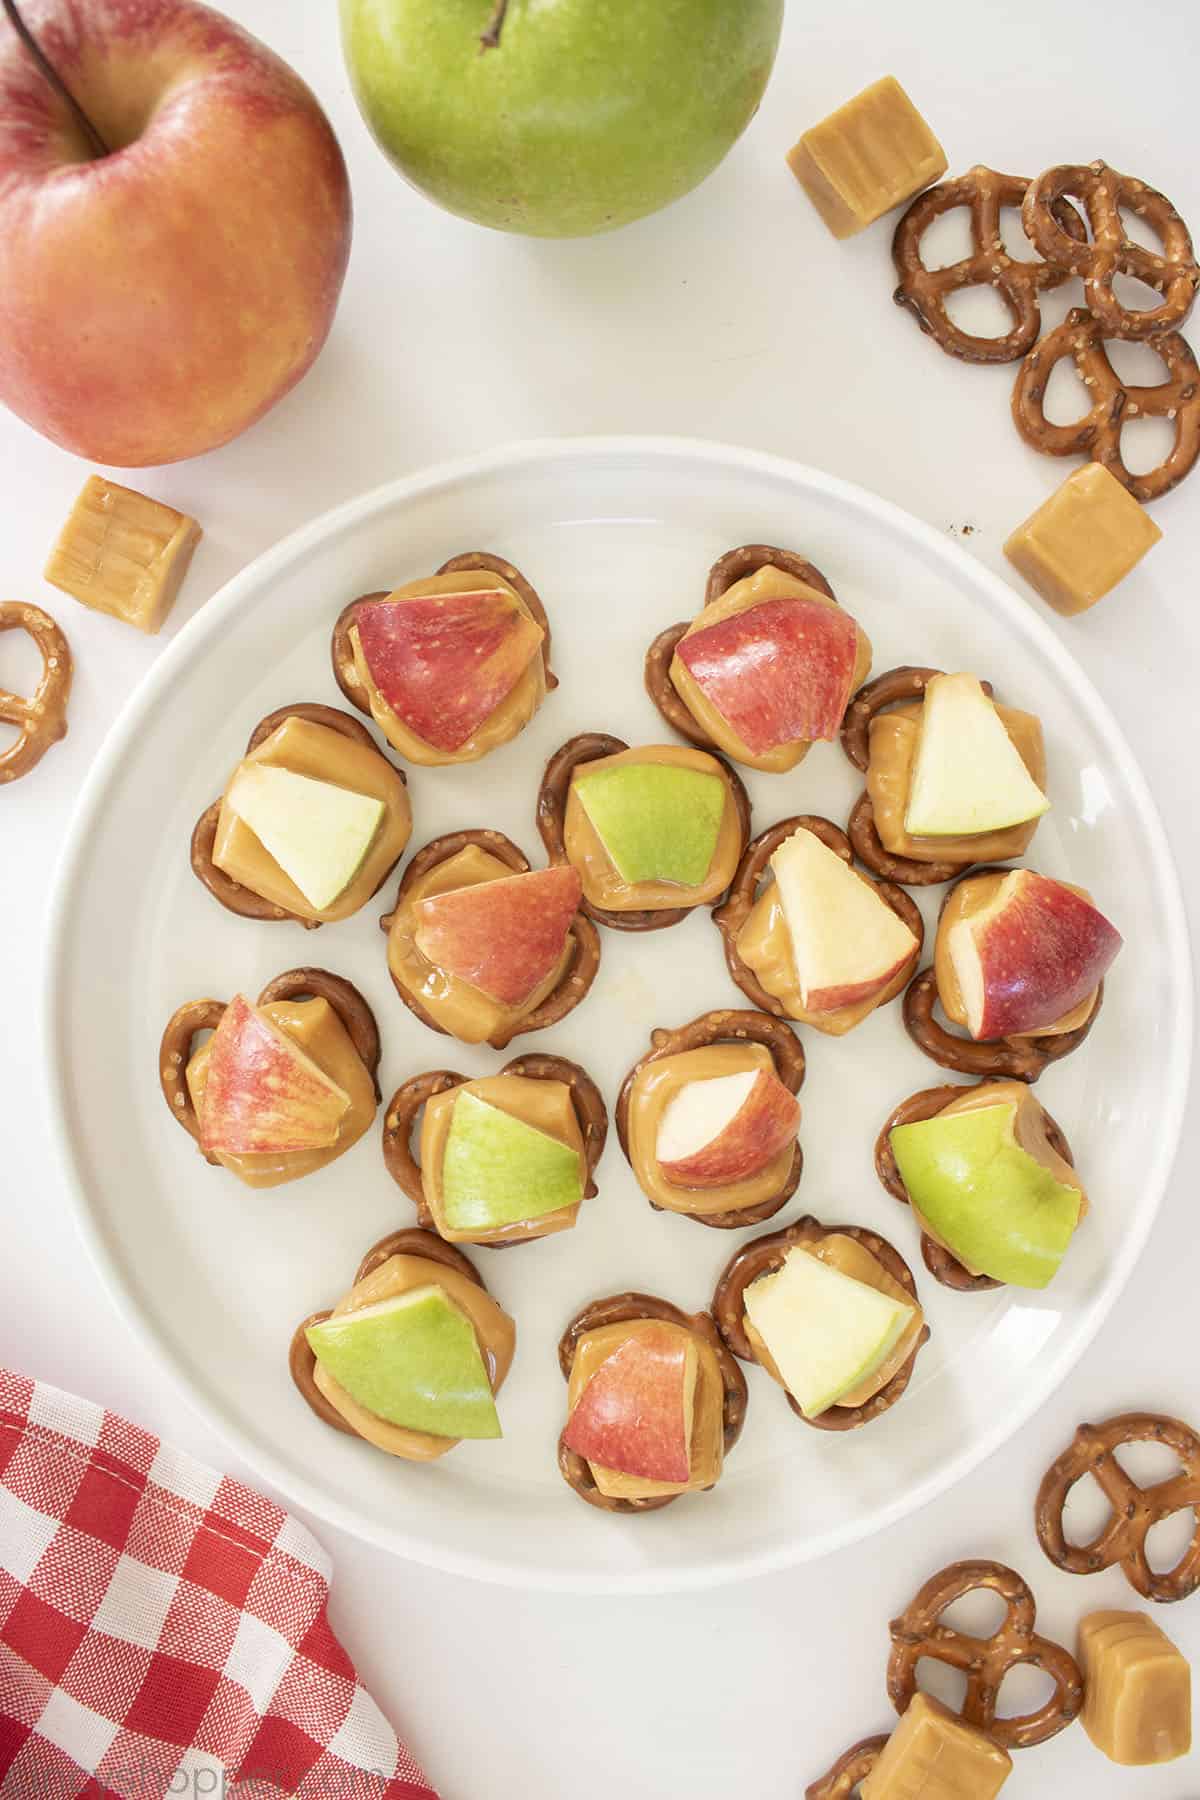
(20, 662)
(1146, 444)
(980, 310)
(1168, 1542)
(1024, 1691)
(1148, 1462)
(1012, 236)
(1134, 295)
(1086, 1513)
(978, 1614)
(1139, 230)
(948, 239)
(1067, 399)
(941, 1682)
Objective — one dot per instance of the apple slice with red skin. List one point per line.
(726, 1129)
(635, 1414)
(444, 662)
(847, 942)
(778, 673)
(1031, 956)
(263, 1095)
(504, 937)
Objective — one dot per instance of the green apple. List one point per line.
(826, 1332)
(657, 821)
(968, 776)
(558, 118)
(318, 833)
(991, 1202)
(497, 1170)
(413, 1360)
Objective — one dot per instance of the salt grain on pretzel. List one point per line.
(40, 719)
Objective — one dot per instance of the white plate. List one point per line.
(617, 535)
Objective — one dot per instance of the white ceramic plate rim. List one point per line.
(208, 624)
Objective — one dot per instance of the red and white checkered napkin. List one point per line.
(163, 1628)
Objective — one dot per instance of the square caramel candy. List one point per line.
(871, 155)
(1138, 1689)
(934, 1753)
(123, 554)
(1083, 540)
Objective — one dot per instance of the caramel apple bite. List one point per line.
(767, 667)
(280, 1086)
(654, 1403)
(504, 1159)
(483, 948)
(808, 936)
(708, 1118)
(451, 666)
(412, 1357)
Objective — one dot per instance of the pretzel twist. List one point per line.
(918, 1633)
(1135, 1509)
(1013, 1058)
(851, 1769)
(41, 718)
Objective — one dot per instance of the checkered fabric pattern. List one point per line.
(163, 1629)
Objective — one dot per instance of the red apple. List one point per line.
(444, 662)
(726, 1128)
(504, 937)
(158, 299)
(778, 673)
(847, 943)
(1029, 957)
(635, 1414)
(263, 1095)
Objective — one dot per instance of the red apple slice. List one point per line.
(504, 937)
(1029, 957)
(847, 943)
(779, 673)
(726, 1129)
(635, 1414)
(444, 662)
(263, 1094)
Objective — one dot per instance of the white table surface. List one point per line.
(733, 315)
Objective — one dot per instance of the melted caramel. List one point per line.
(654, 1087)
(546, 1105)
(967, 899)
(894, 737)
(708, 1440)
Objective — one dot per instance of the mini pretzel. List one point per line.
(843, 1781)
(723, 1027)
(232, 895)
(591, 746)
(406, 1104)
(985, 1662)
(941, 1263)
(730, 917)
(1102, 192)
(575, 980)
(341, 650)
(41, 720)
(1013, 1058)
(733, 566)
(923, 290)
(617, 1310)
(1098, 434)
(1135, 1510)
(195, 1016)
(761, 1256)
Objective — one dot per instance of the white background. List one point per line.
(734, 315)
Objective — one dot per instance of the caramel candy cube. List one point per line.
(1082, 540)
(123, 554)
(872, 154)
(1138, 1689)
(934, 1755)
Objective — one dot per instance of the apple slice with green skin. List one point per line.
(497, 1170)
(444, 662)
(318, 833)
(413, 1360)
(505, 937)
(968, 776)
(657, 821)
(1030, 957)
(990, 1201)
(725, 1129)
(263, 1094)
(826, 1332)
(847, 943)
(635, 1414)
(778, 673)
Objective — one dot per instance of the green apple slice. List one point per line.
(991, 1203)
(413, 1360)
(318, 833)
(657, 821)
(968, 776)
(826, 1332)
(497, 1170)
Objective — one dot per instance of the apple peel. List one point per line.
(1016, 1059)
(634, 1415)
(505, 936)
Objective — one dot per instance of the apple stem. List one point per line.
(489, 39)
(94, 141)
